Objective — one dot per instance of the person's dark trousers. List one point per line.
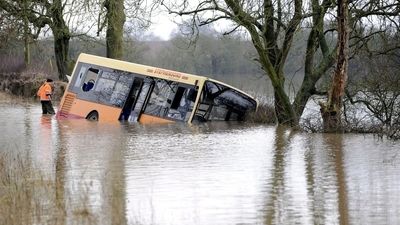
(47, 107)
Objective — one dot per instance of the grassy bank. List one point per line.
(26, 85)
(265, 114)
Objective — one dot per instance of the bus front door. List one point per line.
(141, 89)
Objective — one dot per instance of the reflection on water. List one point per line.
(209, 174)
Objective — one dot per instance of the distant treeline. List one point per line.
(226, 58)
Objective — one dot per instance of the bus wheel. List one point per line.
(94, 116)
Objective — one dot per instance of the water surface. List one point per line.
(216, 173)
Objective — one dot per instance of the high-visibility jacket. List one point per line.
(45, 92)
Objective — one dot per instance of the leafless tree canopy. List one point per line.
(272, 24)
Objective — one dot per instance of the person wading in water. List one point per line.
(45, 91)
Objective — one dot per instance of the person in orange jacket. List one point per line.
(45, 91)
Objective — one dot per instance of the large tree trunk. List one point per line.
(331, 111)
(313, 71)
(283, 108)
(61, 39)
(27, 49)
(302, 98)
(115, 28)
(311, 77)
(61, 46)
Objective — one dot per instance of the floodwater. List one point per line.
(217, 173)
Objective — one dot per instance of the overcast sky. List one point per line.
(162, 27)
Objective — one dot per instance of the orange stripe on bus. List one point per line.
(148, 119)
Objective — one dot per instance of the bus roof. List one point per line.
(140, 69)
(229, 86)
(150, 71)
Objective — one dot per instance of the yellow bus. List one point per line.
(106, 89)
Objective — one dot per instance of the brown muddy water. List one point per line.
(217, 173)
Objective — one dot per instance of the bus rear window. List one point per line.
(90, 79)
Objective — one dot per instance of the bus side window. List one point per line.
(191, 96)
(90, 79)
(177, 98)
(182, 104)
(160, 99)
(80, 76)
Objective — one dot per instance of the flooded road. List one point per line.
(213, 174)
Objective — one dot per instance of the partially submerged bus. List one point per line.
(109, 90)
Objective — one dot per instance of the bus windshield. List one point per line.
(219, 102)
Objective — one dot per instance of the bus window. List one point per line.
(105, 86)
(131, 98)
(145, 85)
(90, 79)
(219, 102)
(218, 112)
(171, 100)
(161, 98)
(178, 97)
(182, 104)
(80, 76)
(121, 89)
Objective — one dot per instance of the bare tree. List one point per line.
(331, 111)
(63, 17)
(9, 28)
(44, 13)
(378, 90)
(271, 26)
(19, 27)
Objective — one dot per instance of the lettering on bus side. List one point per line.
(171, 74)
